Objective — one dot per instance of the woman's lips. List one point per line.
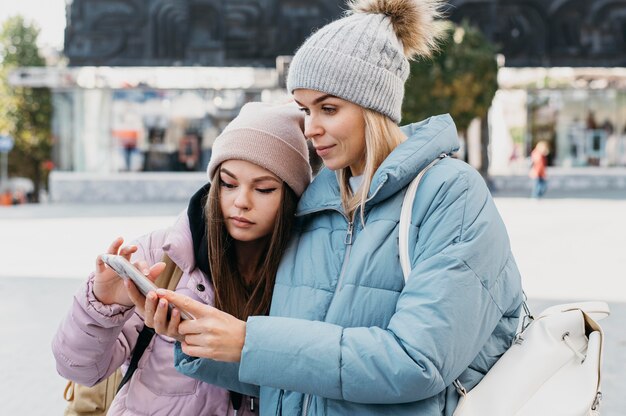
(323, 150)
(241, 222)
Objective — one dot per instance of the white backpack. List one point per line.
(553, 366)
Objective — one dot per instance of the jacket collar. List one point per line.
(186, 242)
(178, 244)
(426, 140)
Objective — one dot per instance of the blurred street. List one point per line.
(106, 133)
(567, 248)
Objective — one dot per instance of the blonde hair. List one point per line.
(382, 135)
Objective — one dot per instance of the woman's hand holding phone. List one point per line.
(109, 288)
(211, 334)
(156, 316)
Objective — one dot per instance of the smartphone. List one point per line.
(126, 270)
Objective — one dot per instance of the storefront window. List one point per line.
(170, 130)
(583, 127)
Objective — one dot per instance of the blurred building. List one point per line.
(148, 77)
(151, 83)
(563, 78)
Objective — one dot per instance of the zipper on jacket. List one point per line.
(348, 242)
(346, 257)
(307, 403)
(279, 409)
(348, 239)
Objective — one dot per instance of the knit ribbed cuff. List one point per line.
(349, 78)
(286, 164)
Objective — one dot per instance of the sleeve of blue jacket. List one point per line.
(450, 305)
(221, 374)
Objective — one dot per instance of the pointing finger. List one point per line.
(185, 303)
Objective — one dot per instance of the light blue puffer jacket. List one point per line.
(346, 336)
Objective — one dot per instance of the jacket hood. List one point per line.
(177, 243)
(185, 242)
(426, 140)
(198, 228)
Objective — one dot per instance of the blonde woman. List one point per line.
(346, 335)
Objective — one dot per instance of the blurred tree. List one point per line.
(25, 113)
(461, 79)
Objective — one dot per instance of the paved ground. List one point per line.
(568, 249)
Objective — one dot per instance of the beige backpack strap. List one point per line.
(68, 393)
(96, 400)
(170, 276)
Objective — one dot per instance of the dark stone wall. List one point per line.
(190, 32)
(551, 32)
(254, 32)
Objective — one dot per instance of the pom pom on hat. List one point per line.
(414, 22)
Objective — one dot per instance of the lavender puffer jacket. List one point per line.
(95, 339)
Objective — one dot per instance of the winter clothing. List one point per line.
(539, 164)
(538, 171)
(279, 146)
(540, 186)
(346, 336)
(95, 339)
(361, 57)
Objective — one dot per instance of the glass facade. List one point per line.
(583, 127)
(169, 130)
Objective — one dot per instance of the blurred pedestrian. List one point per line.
(539, 160)
(228, 244)
(128, 141)
(189, 151)
(346, 334)
(19, 197)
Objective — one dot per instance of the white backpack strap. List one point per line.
(596, 309)
(405, 219)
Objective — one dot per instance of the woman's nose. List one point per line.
(242, 201)
(312, 127)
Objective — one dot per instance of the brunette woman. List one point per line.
(228, 244)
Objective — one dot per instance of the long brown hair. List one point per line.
(232, 295)
(382, 135)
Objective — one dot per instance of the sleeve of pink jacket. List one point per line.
(95, 339)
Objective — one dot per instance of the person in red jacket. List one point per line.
(538, 169)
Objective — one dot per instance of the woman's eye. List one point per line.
(329, 110)
(305, 111)
(266, 190)
(226, 185)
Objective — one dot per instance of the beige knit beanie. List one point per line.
(270, 136)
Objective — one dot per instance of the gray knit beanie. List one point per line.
(270, 136)
(363, 57)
